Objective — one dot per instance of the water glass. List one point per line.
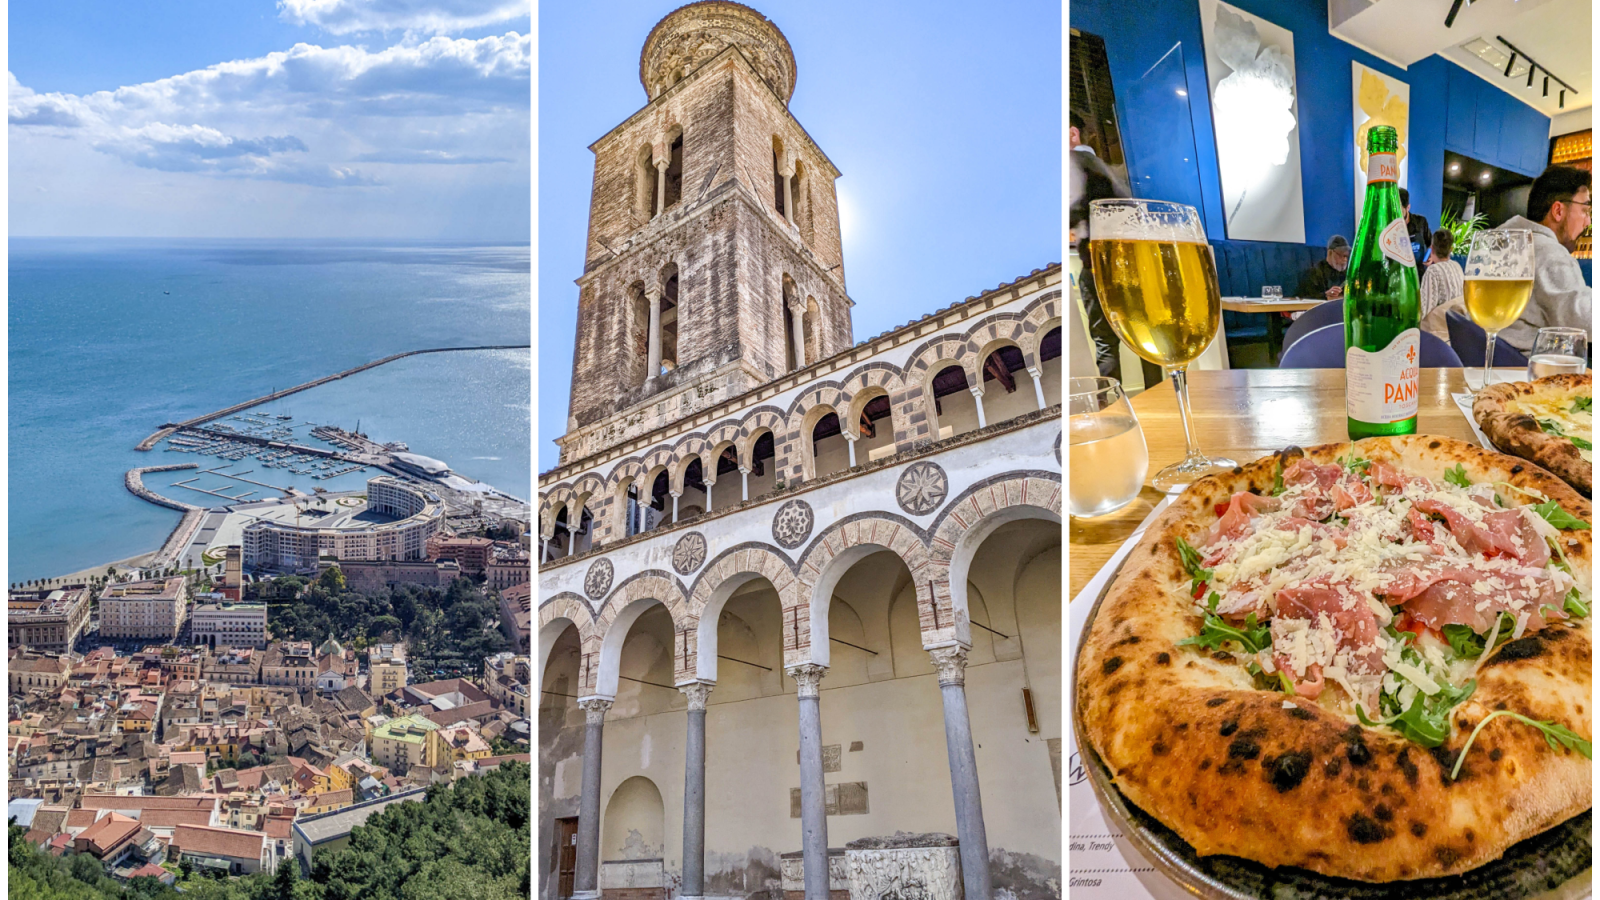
(1272, 292)
(1108, 454)
(1558, 351)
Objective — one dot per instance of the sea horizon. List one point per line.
(112, 337)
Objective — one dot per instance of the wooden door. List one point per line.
(566, 856)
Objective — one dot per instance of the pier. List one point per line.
(172, 550)
(287, 492)
(150, 442)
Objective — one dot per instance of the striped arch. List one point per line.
(768, 417)
(804, 413)
(657, 460)
(623, 607)
(1038, 318)
(558, 498)
(961, 529)
(867, 382)
(554, 616)
(924, 362)
(623, 474)
(716, 583)
(687, 451)
(1002, 330)
(587, 490)
(829, 557)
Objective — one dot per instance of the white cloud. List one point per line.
(424, 16)
(305, 115)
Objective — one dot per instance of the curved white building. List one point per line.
(394, 523)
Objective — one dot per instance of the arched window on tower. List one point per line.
(777, 176)
(660, 511)
(645, 192)
(764, 468)
(670, 318)
(638, 335)
(675, 169)
(583, 538)
(727, 491)
(876, 429)
(813, 332)
(801, 215)
(633, 522)
(693, 501)
(793, 352)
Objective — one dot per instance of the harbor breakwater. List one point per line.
(172, 549)
(150, 442)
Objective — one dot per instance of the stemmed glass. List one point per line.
(1157, 282)
(1499, 280)
(1558, 351)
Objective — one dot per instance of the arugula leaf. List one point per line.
(1556, 735)
(1574, 604)
(1216, 631)
(1354, 463)
(1582, 404)
(1580, 443)
(1277, 479)
(1458, 476)
(1551, 426)
(1288, 686)
(1469, 644)
(1427, 720)
(1191, 564)
(1552, 512)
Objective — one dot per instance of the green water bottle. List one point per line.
(1382, 309)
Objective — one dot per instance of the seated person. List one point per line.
(1441, 287)
(1326, 278)
(1559, 207)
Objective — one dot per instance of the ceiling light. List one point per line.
(1509, 63)
(1563, 99)
(1455, 167)
(1484, 177)
(1546, 86)
(1531, 70)
(1182, 92)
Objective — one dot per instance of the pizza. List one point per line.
(1369, 660)
(1547, 421)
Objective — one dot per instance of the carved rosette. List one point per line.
(952, 664)
(808, 678)
(692, 35)
(922, 487)
(697, 692)
(792, 524)
(689, 553)
(594, 709)
(598, 582)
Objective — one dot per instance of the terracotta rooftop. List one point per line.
(112, 801)
(172, 818)
(107, 834)
(220, 841)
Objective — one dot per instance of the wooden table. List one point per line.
(1245, 414)
(1274, 321)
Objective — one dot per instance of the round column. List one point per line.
(951, 663)
(586, 881)
(813, 799)
(694, 793)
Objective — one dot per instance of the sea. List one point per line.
(111, 338)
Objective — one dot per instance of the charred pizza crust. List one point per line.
(1519, 434)
(1239, 771)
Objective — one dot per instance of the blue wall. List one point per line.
(1445, 101)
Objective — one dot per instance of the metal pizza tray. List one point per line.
(1554, 865)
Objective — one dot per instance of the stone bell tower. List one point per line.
(713, 262)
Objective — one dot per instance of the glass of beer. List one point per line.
(1499, 280)
(1108, 454)
(1157, 283)
(1558, 351)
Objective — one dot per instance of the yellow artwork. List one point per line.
(1382, 108)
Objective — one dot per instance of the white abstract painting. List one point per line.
(1378, 100)
(1255, 115)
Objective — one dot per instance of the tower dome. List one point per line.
(691, 35)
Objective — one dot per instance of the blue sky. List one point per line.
(256, 118)
(944, 118)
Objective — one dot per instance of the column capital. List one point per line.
(744, 470)
(808, 677)
(798, 307)
(697, 692)
(977, 390)
(951, 662)
(594, 709)
(652, 292)
(663, 163)
(852, 438)
(1034, 372)
(675, 494)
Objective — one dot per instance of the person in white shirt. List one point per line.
(1559, 209)
(1441, 287)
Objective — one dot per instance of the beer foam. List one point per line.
(1132, 220)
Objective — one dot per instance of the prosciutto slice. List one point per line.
(1456, 603)
(1237, 516)
(1315, 502)
(1351, 619)
(1499, 535)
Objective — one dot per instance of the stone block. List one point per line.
(904, 866)
(792, 870)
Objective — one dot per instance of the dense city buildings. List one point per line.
(387, 663)
(472, 554)
(46, 619)
(152, 609)
(218, 623)
(393, 522)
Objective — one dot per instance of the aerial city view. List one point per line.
(269, 477)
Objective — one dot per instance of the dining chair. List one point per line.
(1469, 341)
(1316, 317)
(1323, 348)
